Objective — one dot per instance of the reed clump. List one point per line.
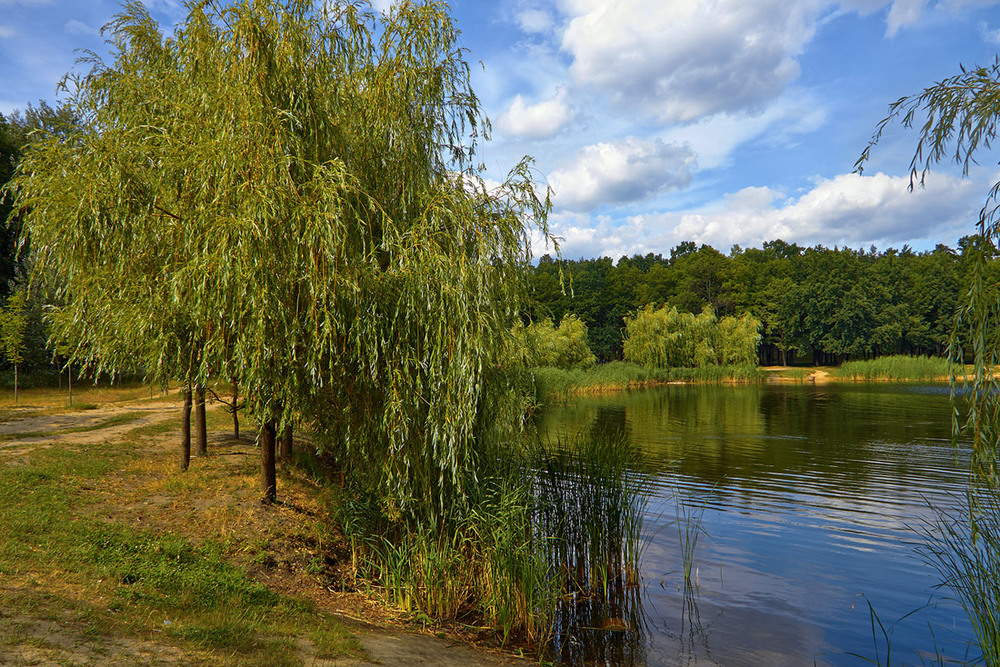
(899, 368)
(546, 529)
(963, 545)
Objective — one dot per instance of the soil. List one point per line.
(141, 496)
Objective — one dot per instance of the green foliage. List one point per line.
(544, 344)
(834, 304)
(957, 117)
(895, 368)
(666, 338)
(13, 325)
(284, 193)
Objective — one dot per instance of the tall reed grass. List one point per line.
(963, 545)
(548, 543)
(895, 368)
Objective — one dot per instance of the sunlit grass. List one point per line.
(65, 558)
(895, 368)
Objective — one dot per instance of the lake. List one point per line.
(808, 497)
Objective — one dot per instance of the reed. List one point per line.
(547, 532)
(895, 368)
(963, 545)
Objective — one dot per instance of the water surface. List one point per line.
(809, 497)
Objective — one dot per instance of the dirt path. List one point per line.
(135, 499)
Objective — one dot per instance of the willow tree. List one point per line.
(285, 194)
(957, 118)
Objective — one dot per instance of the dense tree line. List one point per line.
(815, 305)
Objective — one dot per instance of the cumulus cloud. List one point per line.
(621, 171)
(851, 210)
(686, 60)
(537, 121)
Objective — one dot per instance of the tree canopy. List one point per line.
(285, 193)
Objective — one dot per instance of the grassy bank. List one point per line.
(560, 384)
(109, 557)
(897, 368)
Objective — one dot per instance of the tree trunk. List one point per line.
(186, 430)
(236, 416)
(285, 444)
(199, 420)
(69, 379)
(15, 383)
(268, 476)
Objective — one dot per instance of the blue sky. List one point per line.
(660, 121)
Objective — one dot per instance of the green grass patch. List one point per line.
(895, 368)
(61, 557)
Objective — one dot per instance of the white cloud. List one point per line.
(688, 59)
(535, 21)
(75, 27)
(537, 121)
(851, 210)
(621, 171)
(903, 13)
(6, 32)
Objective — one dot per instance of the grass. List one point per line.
(898, 368)
(69, 555)
(561, 384)
(963, 545)
(547, 545)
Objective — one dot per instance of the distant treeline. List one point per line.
(816, 305)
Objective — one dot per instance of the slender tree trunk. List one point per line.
(285, 444)
(236, 416)
(15, 383)
(186, 430)
(199, 421)
(69, 379)
(268, 475)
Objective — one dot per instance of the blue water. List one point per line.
(811, 500)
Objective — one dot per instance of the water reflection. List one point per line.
(808, 495)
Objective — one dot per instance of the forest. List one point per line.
(816, 305)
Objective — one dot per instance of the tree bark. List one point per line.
(15, 383)
(268, 476)
(199, 421)
(285, 444)
(186, 430)
(236, 416)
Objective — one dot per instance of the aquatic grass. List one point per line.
(963, 545)
(895, 368)
(547, 545)
(591, 493)
(690, 523)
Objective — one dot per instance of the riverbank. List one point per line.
(110, 556)
(557, 384)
